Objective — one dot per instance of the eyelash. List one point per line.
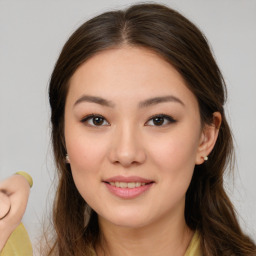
(166, 117)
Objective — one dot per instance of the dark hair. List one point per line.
(174, 38)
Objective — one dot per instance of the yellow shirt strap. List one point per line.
(27, 177)
(194, 246)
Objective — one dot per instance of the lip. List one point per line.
(128, 179)
(128, 193)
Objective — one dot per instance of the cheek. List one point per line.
(86, 160)
(175, 151)
(175, 161)
(85, 154)
(174, 156)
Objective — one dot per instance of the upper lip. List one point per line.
(128, 179)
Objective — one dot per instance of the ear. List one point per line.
(208, 138)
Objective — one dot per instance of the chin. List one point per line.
(130, 224)
(127, 219)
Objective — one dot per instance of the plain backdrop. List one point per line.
(32, 34)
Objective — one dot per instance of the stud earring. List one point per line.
(205, 158)
(67, 159)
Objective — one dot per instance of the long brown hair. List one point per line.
(169, 34)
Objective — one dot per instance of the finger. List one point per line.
(5, 205)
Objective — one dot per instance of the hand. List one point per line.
(14, 191)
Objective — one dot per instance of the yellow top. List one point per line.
(18, 243)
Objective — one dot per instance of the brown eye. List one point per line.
(160, 120)
(95, 120)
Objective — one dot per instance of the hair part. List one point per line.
(174, 38)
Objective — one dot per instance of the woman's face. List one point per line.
(133, 133)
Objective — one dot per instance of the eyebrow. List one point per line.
(95, 99)
(160, 99)
(143, 104)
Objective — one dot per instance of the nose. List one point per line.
(126, 147)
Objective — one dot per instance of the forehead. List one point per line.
(130, 73)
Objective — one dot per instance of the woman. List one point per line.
(109, 66)
(141, 141)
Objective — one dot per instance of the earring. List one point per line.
(67, 159)
(205, 158)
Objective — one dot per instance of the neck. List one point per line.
(166, 237)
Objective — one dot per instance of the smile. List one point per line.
(128, 187)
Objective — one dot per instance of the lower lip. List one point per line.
(128, 193)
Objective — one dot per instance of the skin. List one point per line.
(5, 205)
(15, 192)
(128, 142)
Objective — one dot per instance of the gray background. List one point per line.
(31, 36)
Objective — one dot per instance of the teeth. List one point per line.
(137, 184)
(123, 185)
(127, 184)
(131, 185)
